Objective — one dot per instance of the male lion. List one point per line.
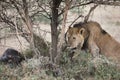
(74, 38)
(96, 40)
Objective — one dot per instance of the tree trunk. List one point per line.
(28, 22)
(62, 33)
(54, 31)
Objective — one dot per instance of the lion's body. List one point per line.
(98, 39)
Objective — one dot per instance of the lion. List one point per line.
(93, 38)
(74, 38)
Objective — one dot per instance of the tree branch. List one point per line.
(88, 15)
(81, 4)
(44, 10)
(61, 41)
(75, 20)
(107, 2)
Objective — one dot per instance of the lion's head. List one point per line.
(75, 37)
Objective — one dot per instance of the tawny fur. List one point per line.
(74, 38)
(96, 38)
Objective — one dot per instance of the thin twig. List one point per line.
(88, 15)
(75, 20)
(44, 10)
(17, 34)
(82, 4)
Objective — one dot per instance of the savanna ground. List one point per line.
(79, 68)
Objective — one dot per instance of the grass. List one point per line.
(79, 68)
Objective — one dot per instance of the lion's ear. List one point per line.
(81, 31)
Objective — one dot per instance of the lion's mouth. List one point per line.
(74, 48)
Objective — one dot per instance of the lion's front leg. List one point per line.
(93, 48)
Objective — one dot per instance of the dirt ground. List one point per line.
(107, 16)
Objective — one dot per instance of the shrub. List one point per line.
(80, 67)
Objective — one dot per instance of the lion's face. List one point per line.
(74, 37)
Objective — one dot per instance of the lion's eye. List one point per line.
(74, 38)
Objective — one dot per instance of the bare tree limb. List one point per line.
(18, 9)
(61, 41)
(75, 20)
(88, 15)
(36, 13)
(107, 2)
(5, 18)
(81, 4)
(45, 16)
(44, 11)
(63, 10)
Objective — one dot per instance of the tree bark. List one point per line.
(62, 33)
(54, 24)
